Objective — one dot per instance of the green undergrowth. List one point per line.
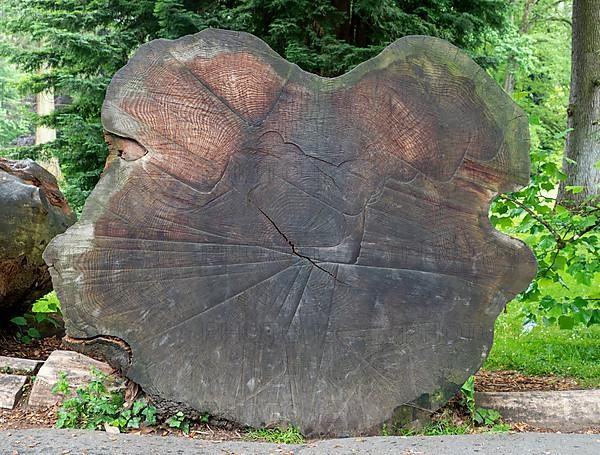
(100, 405)
(29, 326)
(290, 435)
(460, 416)
(537, 348)
(97, 405)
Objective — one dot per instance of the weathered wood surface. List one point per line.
(32, 212)
(273, 246)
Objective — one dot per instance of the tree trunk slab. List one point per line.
(565, 410)
(272, 247)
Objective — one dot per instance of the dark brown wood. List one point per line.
(270, 246)
(32, 212)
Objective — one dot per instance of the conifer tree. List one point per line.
(76, 46)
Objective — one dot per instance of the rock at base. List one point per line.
(562, 410)
(11, 389)
(78, 369)
(33, 212)
(14, 365)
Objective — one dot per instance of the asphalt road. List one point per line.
(72, 442)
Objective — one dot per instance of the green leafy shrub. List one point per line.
(41, 312)
(487, 417)
(467, 394)
(47, 304)
(25, 333)
(482, 417)
(180, 422)
(95, 405)
(566, 243)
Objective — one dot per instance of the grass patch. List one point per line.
(291, 435)
(446, 427)
(440, 427)
(443, 427)
(542, 350)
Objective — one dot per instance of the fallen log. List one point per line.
(32, 212)
(270, 246)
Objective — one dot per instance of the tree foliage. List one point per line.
(76, 46)
(14, 118)
(566, 242)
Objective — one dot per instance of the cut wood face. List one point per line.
(273, 246)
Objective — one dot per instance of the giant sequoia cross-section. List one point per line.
(270, 246)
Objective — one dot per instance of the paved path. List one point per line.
(72, 442)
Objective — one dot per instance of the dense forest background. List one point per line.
(73, 47)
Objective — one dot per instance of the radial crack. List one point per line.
(294, 251)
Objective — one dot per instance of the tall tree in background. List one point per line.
(82, 43)
(582, 148)
(73, 47)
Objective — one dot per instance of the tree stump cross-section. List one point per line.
(270, 246)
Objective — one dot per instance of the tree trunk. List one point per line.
(582, 147)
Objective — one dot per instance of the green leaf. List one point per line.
(20, 321)
(560, 209)
(584, 278)
(34, 333)
(134, 422)
(138, 406)
(150, 415)
(574, 189)
(174, 422)
(565, 322)
(548, 186)
(501, 208)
